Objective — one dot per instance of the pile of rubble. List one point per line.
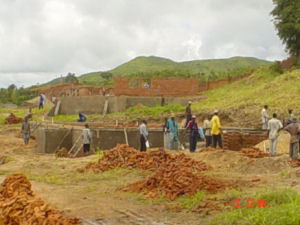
(18, 205)
(173, 181)
(62, 153)
(253, 152)
(12, 119)
(294, 163)
(123, 156)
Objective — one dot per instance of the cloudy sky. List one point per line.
(42, 39)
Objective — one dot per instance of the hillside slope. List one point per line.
(150, 64)
(240, 102)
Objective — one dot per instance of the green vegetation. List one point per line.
(15, 95)
(142, 111)
(147, 67)
(282, 208)
(279, 91)
(287, 22)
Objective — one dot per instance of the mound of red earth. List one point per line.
(19, 206)
(123, 156)
(173, 181)
(12, 119)
(212, 205)
(62, 153)
(253, 152)
(294, 163)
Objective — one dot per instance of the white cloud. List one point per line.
(42, 39)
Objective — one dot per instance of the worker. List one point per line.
(188, 113)
(173, 133)
(81, 117)
(193, 127)
(28, 114)
(291, 116)
(293, 128)
(166, 134)
(264, 117)
(215, 126)
(274, 126)
(86, 136)
(41, 101)
(143, 135)
(207, 130)
(25, 130)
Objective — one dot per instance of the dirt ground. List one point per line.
(97, 198)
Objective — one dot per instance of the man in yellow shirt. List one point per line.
(216, 130)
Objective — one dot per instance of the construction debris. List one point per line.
(123, 156)
(62, 153)
(18, 205)
(173, 181)
(12, 119)
(294, 163)
(253, 152)
(212, 205)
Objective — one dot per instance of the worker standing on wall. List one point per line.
(86, 136)
(216, 130)
(194, 133)
(173, 133)
(264, 118)
(293, 128)
(143, 135)
(274, 126)
(25, 130)
(207, 131)
(188, 113)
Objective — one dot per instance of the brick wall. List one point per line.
(236, 141)
(175, 87)
(215, 84)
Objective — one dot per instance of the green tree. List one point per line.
(71, 78)
(287, 22)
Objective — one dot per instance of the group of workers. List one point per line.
(274, 125)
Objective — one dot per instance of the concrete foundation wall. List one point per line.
(95, 104)
(103, 139)
(49, 139)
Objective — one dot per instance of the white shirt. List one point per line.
(264, 116)
(86, 136)
(274, 125)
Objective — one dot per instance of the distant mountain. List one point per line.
(151, 64)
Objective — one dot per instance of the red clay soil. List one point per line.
(212, 205)
(12, 119)
(123, 156)
(294, 163)
(253, 152)
(64, 153)
(18, 205)
(173, 181)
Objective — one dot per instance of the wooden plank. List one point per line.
(62, 140)
(126, 137)
(57, 108)
(105, 107)
(74, 144)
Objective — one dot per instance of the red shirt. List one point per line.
(192, 125)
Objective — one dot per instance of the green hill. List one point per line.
(195, 68)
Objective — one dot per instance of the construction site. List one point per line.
(52, 181)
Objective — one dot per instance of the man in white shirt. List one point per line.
(264, 117)
(86, 136)
(274, 126)
(143, 135)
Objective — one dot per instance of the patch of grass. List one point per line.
(192, 201)
(145, 111)
(282, 208)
